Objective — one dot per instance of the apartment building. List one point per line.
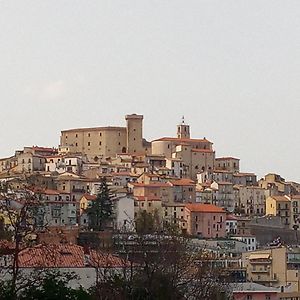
(250, 200)
(280, 206)
(223, 195)
(230, 164)
(205, 220)
(276, 267)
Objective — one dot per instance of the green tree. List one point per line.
(101, 210)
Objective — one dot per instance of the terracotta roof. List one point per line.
(147, 198)
(183, 182)
(179, 140)
(89, 197)
(231, 218)
(151, 185)
(50, 192)
(296, 197)
(66, 256)
(209, 208)
(281, 198)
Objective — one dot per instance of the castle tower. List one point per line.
(134, 133)
(183, 130)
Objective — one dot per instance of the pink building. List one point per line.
(205, 220)
(253, 291)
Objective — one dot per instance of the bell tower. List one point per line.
(183, 130)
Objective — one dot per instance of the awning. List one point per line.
(259, 256)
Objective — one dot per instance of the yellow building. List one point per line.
(276, 267)
(100, 142)
(279, 206)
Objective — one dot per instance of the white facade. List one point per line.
(124, 213)
(249, 240)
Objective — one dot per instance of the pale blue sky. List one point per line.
(231, 67)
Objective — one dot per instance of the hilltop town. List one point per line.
(171, 186)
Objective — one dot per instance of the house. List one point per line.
(81, 261)
(195, 155)
(231, 225)
(161, 190)
(280, 206)
(175, 214)
(230, 164)
(277, 267)
(253, 291)
(223, 195)
(184, 190)
(248, 239)
(205, 220)
(250, 200)
(245, 179)
(151, 204)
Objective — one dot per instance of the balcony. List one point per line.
(261, 271)
(260, 262)
(265, 280)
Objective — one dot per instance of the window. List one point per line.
(89, 143)
(76, 135)
(249, 297)
(89, 134)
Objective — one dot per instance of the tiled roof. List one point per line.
(151, 185)
(183, 182)
(147, 198)
(50, 192)
(65, 256)
(281, 198)
(231, 218)
(209, 208)
(179, 140)
(89, 197)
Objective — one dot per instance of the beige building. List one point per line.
(175, 214)
(277, 267)
(279, 206)
(274, 183)
(100, 142)
(196, 155)
(230, 164)
(250, 200)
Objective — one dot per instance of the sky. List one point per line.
(232, 68)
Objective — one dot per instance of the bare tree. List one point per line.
(18, 206)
